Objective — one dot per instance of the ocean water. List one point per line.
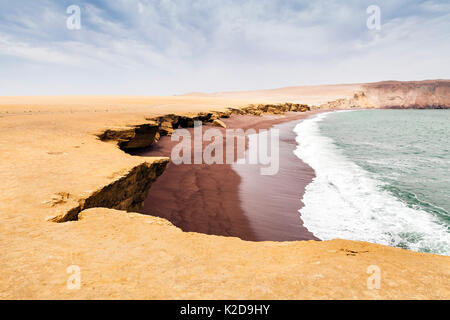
(382, 176)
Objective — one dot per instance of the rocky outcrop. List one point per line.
(145, 135)
(359, 100)
(127, 193)
(135, 137)
(275, 108)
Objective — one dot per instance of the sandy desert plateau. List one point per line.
(71, 196)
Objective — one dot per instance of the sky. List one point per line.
(166, 47)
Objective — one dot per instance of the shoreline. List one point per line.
(272, 202)
(235, 200)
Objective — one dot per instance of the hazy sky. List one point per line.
(164, 47)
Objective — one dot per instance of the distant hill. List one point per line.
(384, 94)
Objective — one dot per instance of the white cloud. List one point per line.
(177, 46)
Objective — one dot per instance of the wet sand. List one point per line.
(271, 202)
(235, 200)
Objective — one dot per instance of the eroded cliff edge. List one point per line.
(127, 193)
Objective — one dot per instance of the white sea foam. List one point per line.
(345, 201)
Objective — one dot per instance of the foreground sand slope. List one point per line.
(124, 255)
(52, 161)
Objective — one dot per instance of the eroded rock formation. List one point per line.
(135, 137)
(145, 135)
(359, 100)
(126, 193)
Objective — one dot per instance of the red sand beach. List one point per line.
(235, 200)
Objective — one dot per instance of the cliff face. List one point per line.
(126, 193)
(411, 94)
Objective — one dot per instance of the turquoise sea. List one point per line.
(382, 176)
